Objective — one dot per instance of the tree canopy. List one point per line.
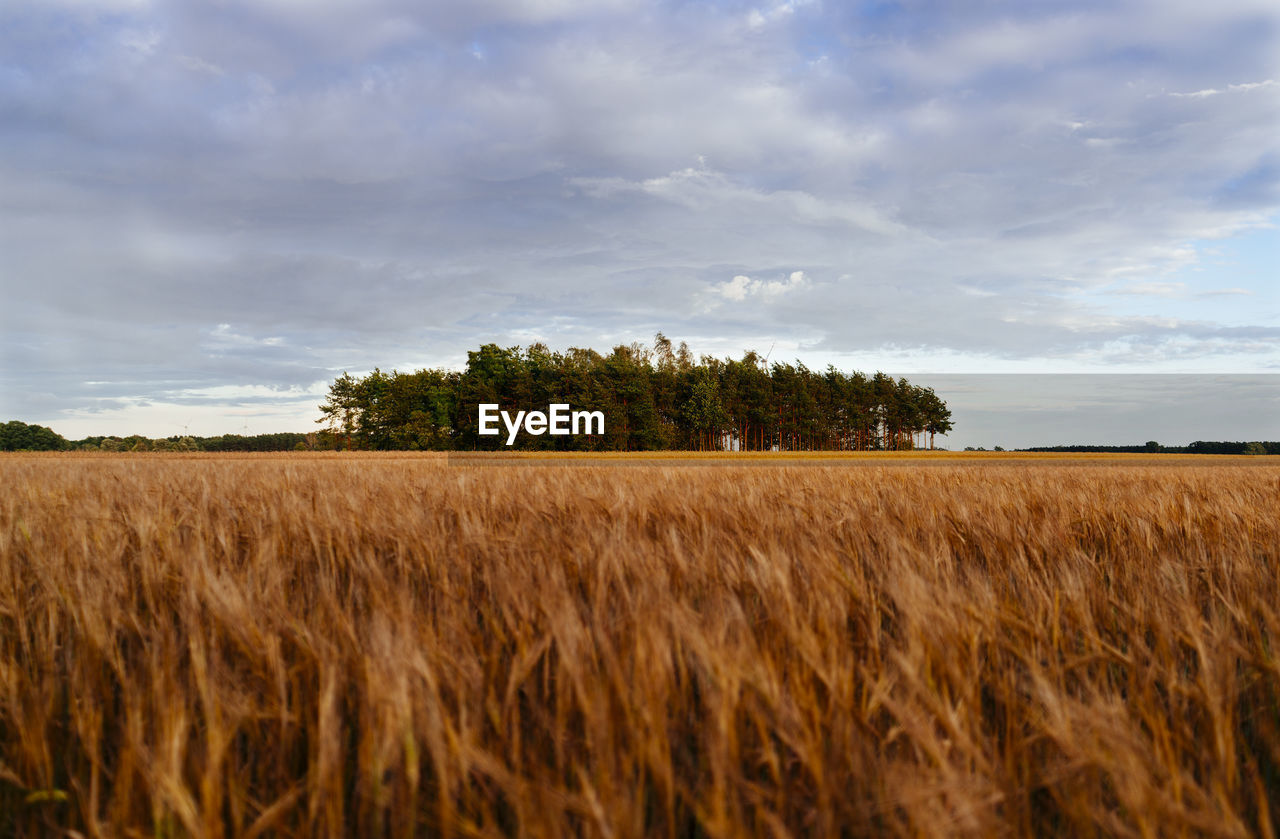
(17, 436)
(652, 398)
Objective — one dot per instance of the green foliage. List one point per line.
(16, 436)
(652, 398)
(1222, 447)
(281, 442)
(704, 414)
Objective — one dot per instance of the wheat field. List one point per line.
(363, 645)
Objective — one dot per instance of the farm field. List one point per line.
(919, 644)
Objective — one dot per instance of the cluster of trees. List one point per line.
(17, 436)
(652, 398)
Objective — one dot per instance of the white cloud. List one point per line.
(741, 287)
(222, 337)
(1234, 88)
(738, 288)
(758, 18)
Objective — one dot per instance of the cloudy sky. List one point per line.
(210, 209)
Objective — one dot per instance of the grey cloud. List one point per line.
(393, 182)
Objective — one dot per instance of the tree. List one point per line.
(342, 407)
(704, 415)
(937, 416)
(626, 373)
(492, 376)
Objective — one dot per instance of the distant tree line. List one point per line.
(16, 436)
(652, 398)
(282, 442)
(1198, 447)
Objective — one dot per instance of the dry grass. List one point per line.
(397, 646)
